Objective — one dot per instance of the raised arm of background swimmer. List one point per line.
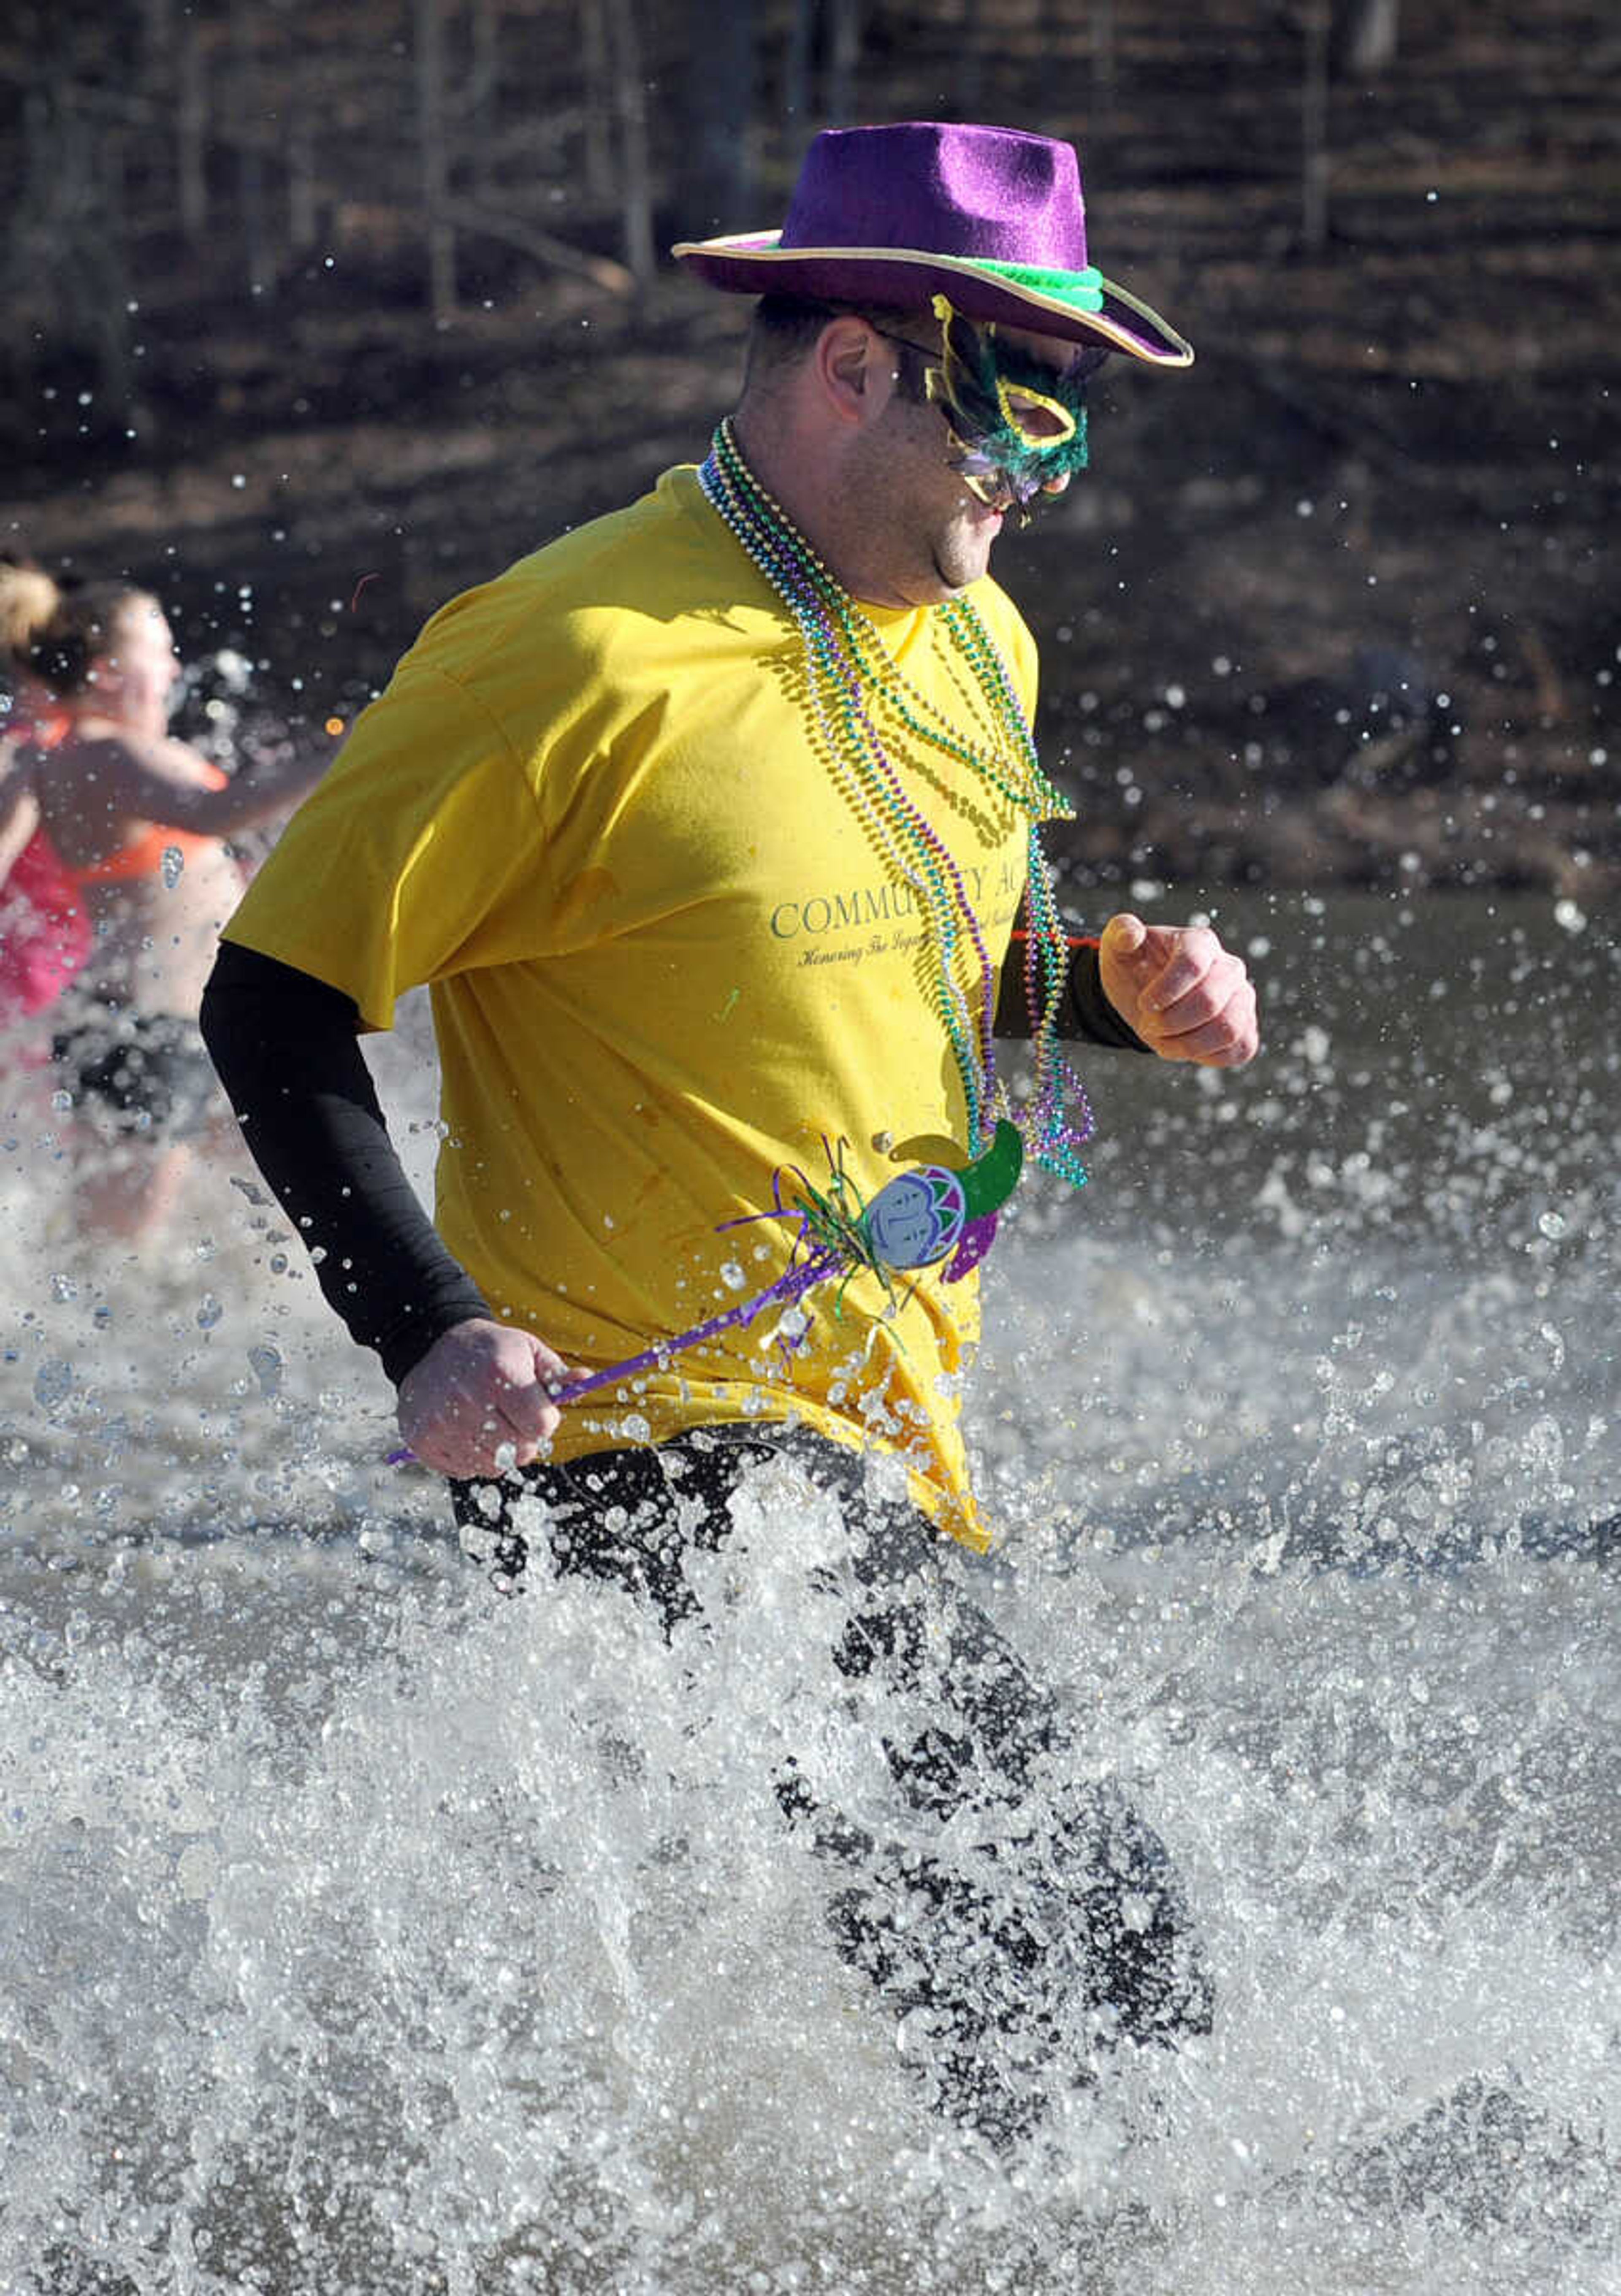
(142, 777)
(19, 806)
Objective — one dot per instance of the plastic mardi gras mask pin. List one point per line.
(1019, 425)
(922, 1214)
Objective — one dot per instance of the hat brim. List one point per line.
(907, 279)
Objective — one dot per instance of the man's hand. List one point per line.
(477, 1402)
(1187, 997)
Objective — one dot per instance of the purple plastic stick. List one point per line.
(786, 1289)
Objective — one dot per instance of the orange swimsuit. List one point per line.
(142, 857)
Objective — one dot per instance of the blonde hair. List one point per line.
(28, 600)
(53, 631)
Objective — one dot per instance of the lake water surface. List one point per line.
(360, 1930)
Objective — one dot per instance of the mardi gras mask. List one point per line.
(1018, 425)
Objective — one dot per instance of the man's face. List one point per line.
(943, 526)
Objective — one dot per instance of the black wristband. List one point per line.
(1084, 1012)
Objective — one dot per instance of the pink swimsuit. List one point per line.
(44, 934)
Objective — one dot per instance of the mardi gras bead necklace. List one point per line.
(850, 676)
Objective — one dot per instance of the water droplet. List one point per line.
(266, 1364)
(52, 1383)
(732, 1276)
(1554, 1225)
(210, 1313)
(172, 864)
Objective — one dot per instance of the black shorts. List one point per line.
(138, 1072)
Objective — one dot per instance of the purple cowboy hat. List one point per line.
(991, 218)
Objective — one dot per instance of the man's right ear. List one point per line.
(853, 369)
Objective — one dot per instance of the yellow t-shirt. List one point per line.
(668, 960)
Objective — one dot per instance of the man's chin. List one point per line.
(964, 555)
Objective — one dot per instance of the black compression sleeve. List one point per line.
(1084, 1011)
(284, 1045)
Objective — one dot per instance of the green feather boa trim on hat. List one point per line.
(1083, 289)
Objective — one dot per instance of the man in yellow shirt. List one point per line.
(710, 827)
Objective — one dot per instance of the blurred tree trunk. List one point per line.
(598, 101)
(301, 201)
(630, 115)
(1101, 23)
(968, 80)
(158, 83)
(822, 55)
(157, 43)
(844, 55)
(254, 116)
(485, 80)
(1365, 36)
(190, 132)
(715, 185)
(433, 156)
(796, 59)
(1315, 129)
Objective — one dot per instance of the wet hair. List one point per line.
(55, 631)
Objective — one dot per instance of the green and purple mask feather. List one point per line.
(1017, 424)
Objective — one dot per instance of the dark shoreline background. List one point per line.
(315, 319)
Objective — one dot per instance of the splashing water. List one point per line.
(360, 1930)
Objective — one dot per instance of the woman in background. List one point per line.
(138, 820)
